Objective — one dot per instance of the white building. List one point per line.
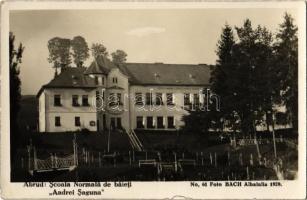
(130, 96)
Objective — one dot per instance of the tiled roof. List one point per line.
(71, 77)
(138, 74)
(100, 65)
(167, 74)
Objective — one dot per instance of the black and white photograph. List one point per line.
(154, 95)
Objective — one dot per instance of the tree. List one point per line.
(80, 50)
(99, 50)
(15, 91)
(119, 57)
(286, 48)
(59, 53)
(197, 121)
(222, 76)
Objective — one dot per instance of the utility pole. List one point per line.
(273, 132)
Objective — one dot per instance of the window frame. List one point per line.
(114, 80)
(138, 96)
(142, 125)
(57, 121)
(77, 121)
(162, 125)
(186, 99)
(172, 126)
(147, 121)
(73, 103)
(86, 103)
(160, 100)
(169, 103)
(57, 100)
(148, 98)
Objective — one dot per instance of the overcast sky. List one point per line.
(171, 36)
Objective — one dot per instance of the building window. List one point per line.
(77, 121)
(102, 80)
(96, 80)
(75, 100)
(169, 98)
(57, 100)
(114, 79)
(92, 123)
(196, 99)
(138, 99)
(170, 122)
(139, 122)
(150, 122)
(148, 99)
(186, 99)
(160, 122)
(57, 121)
(85, 100)
(159, 100)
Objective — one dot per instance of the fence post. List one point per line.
(56, 161)
(211, 161)
(228, 156)
(202, 158)
(215, 159)
(83, 155)
(241, 159)
(133, 156)
(99, 159)
(35, 158)
(183, 155)
(175, 155)
(251, 160)
(129, 157)
(265, 162)
(92, 157)
(145, 155)
(29, 157)
(247, 173)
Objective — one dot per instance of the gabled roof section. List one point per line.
(167, 74)
(71, 77)
(100, 65)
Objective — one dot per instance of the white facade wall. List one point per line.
(127, 112)
(67, 112)
(165, 111)
(120, 81)
(42, 113)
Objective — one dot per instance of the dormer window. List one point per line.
(114, 79)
